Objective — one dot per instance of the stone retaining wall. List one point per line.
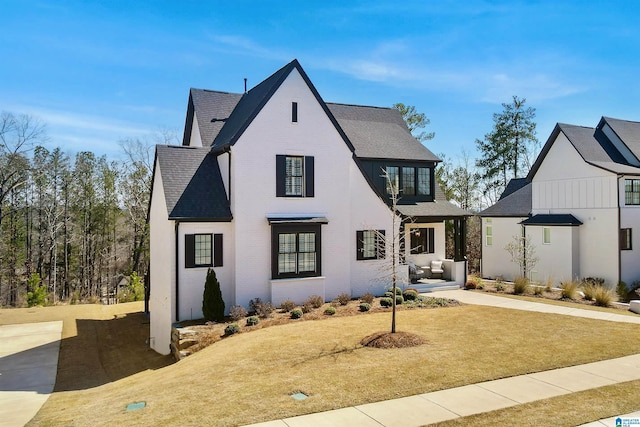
(181, 340)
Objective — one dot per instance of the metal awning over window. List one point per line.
(297, 220)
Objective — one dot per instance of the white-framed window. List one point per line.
(488, 233)
(546, 235)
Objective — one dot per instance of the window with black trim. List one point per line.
(393, 179)
(294, 112)
(422, 240)
(626, 242)
(202, 250)
(294, 176)
(632, 191)
(295, 250)
(424, 182)
(370, 244)
(408, 181)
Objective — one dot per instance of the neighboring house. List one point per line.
(501, 223)
(282, 195)
(585, 205)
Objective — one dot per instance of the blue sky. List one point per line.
(100, 71)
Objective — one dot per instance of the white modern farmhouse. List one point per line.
(579, 206)
(282, 195)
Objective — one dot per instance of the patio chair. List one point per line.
(437, 269)
(416, 273)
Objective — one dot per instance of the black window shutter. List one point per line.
(431, 236)
(381, 243)
(359, 245)
(217, 250)
(308, 176)
(281, 170)
(189, 250)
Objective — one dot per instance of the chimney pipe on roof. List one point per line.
(245, 85)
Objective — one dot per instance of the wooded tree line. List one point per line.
(79, 222)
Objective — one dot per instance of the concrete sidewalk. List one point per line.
(488, 396)
(28, 368)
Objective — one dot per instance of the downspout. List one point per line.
(524, 251)
(177, 308)
(229, 173)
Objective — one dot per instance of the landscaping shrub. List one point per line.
(398, 290)
(386, 302)
(410, 295)
(330, 311)
(231, 329)
(520, 285)
(307, 307)
(622, 291)
(569, 289)
(548, 286)
(296, 313)
(474, 282)
(412, 289)
(603, 296)
(365, 306)
(500, 286)
(260, 308)
(237, 312)
(134, 290)
(212, 303)
(538, 290)
(253, 320)
(388, 294)
(287, 305)
(315, 301)
(399, 300)
(470, 284)
(368, 298)
(343, 298)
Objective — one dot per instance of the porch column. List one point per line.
(460, 239)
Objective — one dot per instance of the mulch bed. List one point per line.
(393, 340)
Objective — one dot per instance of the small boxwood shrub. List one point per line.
(315, 301)
(410, 295)
(399, 300)
(253, 320)
(231, 329)
(237, 312)
(500, 286)
(398, 290)
(296, 313)
(368, 298)
(287, 305)
(388, 294)
(343, 298)
(364, 306)
(330, 311)
(386, 302)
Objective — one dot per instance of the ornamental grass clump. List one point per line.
(520, 285)
(237, 312)
(343, 298)
(603, 296)
(287, 305)
(314, 301)
(569, 289)
(260, 308)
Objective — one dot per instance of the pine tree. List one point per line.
(212, 302)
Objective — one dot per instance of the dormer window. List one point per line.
(294, 112)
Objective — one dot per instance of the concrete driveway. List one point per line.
(28, 367)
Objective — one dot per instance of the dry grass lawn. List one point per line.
(249, 377)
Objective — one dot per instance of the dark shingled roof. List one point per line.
(515, 204)
(594, 146)
(379, 133)
(193, 186)
(552, 219)
(439, 208)
(212, 111)
(513, 185)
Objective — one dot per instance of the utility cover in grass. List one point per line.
(299, 396)
(136, 406)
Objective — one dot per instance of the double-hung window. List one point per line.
(370, 244)
(488, 232)
(424, 182)
(632, 191)
(202, 250)
(296, 251)
(408, 181)
(423, 240)
(393, 180)
(294, 176)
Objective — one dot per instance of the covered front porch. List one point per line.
(434, 248)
